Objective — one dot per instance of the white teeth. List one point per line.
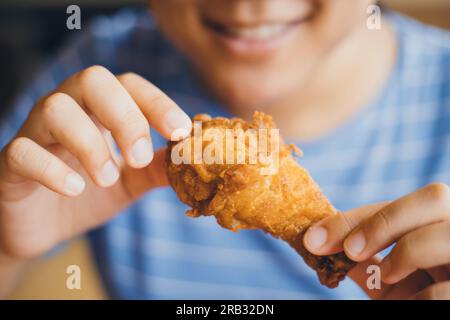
(258, 32)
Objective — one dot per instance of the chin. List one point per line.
(247, 98)
(253, 93)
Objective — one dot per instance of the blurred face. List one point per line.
(256, 53)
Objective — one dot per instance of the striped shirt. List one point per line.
(394, 145)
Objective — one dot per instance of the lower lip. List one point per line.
(260, 47)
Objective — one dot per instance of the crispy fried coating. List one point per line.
(283, 204)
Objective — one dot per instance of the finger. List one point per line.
(438, 291)
(59, 119)
(326, 237)
(27, 159)
(162, 112)
(426, 206)
(439, 273)
(138, 181)
(99, 91)
(406, 287)
(361, 275)
(367, 275)
(423, 248)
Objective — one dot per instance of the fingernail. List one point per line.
(74, 184)
(316, 237)
(176, 119)
(356, 243)
(109, 173)
(142, 152)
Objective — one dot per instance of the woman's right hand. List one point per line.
(60, 176)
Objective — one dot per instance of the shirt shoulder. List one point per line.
(124, 41)
(418, 103)
(419, 34)
(422, 75)
(422, 47)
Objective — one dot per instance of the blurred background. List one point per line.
(30, 33)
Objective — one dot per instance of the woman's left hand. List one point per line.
(418, 266)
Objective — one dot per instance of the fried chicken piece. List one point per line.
(283, 203)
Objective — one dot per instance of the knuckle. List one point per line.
(127, 77)
(40, 101)
(16, 151)
(347, 222)
(439, 192)
(382, 217)
(404, 250)
(51, 105)
(91, 150)
(92, 75)
(134, 122)
(160, 99)
(45, 169)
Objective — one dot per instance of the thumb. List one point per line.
(327, 236)
(138, 181)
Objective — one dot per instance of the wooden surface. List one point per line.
(47, 278)
(436, 12)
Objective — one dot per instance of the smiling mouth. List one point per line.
(254, 32)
